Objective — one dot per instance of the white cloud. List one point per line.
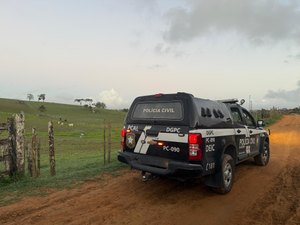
(289, 96)
(113, 99)
(258, 21)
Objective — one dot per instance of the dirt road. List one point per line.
(261, 195)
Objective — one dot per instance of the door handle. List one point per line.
(239, 131)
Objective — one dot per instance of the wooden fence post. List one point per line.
(104, 144)
(20, 142)
(39, 157)
(29, 159)
(51, 149)
(109, 142)
(33, 152)
(10, 164)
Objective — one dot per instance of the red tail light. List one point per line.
(123, 134)
(195, 142)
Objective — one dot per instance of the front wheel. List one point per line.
(263, 158)
(227, 175)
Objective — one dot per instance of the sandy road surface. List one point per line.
(261, 195)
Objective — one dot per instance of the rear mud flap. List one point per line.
(214, 180)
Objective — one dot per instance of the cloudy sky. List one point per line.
(115, 50)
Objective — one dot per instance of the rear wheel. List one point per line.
(263, 158)
(227, 175)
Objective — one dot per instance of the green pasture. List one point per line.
(79, 149)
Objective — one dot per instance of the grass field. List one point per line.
(79, 149)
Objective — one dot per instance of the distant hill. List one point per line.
(83, 118)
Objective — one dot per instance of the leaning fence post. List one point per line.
(51, 149)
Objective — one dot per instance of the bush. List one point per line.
(42, 108)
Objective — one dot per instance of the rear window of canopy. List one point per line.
(158, 111)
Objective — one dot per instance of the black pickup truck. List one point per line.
(184, 137)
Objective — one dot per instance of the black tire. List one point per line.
(263, 158)
(227, 175)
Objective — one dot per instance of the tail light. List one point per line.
(195, 142)
(123, 134)
(124, 131)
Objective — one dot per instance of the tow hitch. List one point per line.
(147, 176)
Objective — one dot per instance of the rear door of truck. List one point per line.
(158, 125)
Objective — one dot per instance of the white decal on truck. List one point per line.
(133, 127)
(210, 144)
(173, 129)
(142, 144)
(210, 166)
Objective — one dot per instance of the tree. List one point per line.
(79, 100)
(88, 100)
(100, 105)
(42, 97)
(30, 97)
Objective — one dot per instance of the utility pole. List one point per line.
(250, 103)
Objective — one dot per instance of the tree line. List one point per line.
(41, 97)
(90, 103)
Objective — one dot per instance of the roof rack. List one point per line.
(231, 101)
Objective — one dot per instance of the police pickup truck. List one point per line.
(184, 137)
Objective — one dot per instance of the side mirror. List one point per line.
(242, 101)
(260, 123)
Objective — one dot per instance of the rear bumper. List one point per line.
(160, 166)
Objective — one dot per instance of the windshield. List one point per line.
(158, 111)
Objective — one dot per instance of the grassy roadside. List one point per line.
(79, 149)
(271, 120)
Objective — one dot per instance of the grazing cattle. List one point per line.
(62, 121)
(71, 124)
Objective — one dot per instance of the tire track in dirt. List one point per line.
(261, 195)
